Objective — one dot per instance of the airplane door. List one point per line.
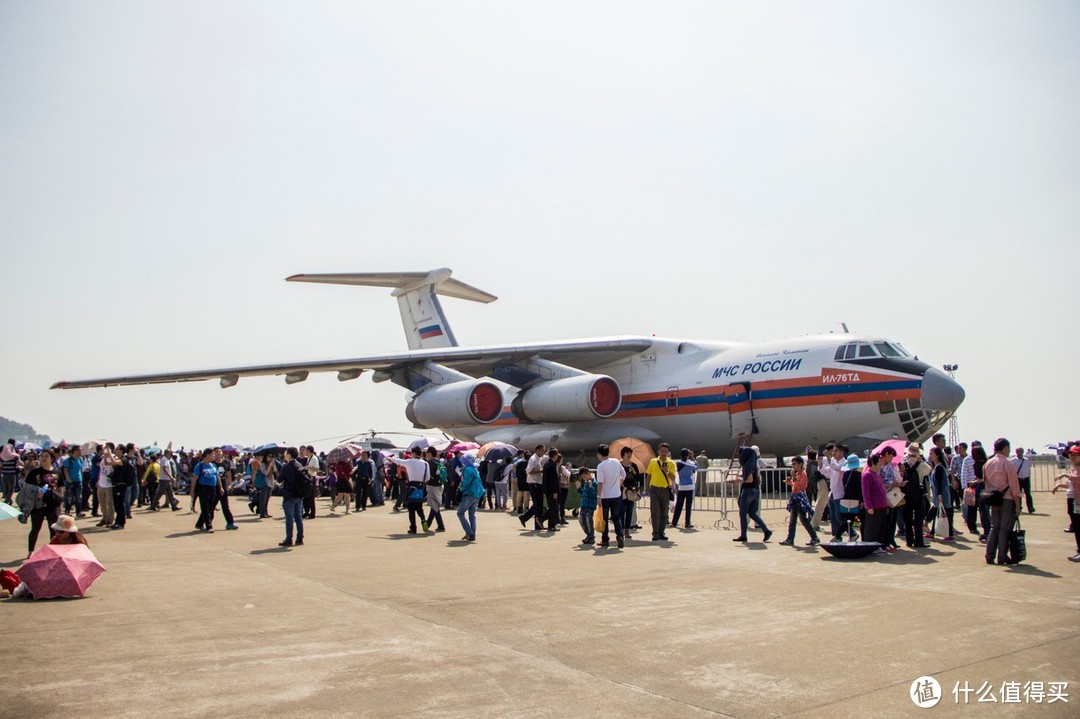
(672, 403)
(740, 409)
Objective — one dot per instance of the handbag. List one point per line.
(993, 499)
(895, 497)
(969, 497)
(416, 494)
(599, 525)
(1017, 543)
(941, 523)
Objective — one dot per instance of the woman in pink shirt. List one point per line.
(1071, 481)
(876, 504)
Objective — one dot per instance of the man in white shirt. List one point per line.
(832, 466)
(534, 479)
(610, 475)
(418, 472)
(1023, 472)
(166, 476)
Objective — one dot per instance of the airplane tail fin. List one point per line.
(417, 295)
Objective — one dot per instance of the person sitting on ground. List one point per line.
(67, 532)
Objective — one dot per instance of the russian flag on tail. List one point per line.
(430, 331)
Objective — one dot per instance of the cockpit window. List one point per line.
(886, 349)
(900, 348)
(849, 353)
(866, 350)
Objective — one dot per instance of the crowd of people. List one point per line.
(916, 497)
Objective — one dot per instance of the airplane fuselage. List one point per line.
(785, 395)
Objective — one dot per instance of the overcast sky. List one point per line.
(738, 171)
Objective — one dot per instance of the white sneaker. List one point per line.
(1075, 558)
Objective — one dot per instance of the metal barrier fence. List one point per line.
(1043, 473)
(714, 493)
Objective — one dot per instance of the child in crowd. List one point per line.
(587, 487)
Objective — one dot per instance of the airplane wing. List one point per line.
(475, 361)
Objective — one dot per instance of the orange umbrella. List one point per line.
(643, 451)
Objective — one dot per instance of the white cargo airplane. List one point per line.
(781, 395)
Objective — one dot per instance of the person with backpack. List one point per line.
(521, 486)
(415, 473)
(472, 489)
(914, 488)
(749, 494)
(295, 484)
(852, 505)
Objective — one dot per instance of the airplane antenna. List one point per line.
(954, 423)
(844, 325)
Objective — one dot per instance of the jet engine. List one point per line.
(456, 404)
(571, 399)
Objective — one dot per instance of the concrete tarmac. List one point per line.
(366, 620)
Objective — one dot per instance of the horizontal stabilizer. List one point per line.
(402, 282)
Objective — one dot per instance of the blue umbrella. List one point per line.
(9, 512)
(270, 448)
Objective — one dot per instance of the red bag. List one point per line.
(9, 580)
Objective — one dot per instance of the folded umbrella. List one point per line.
(60, 570)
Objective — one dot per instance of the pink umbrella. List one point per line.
(60, 570)
(898, 444)
(462, 446)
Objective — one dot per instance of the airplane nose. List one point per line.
(940, 392)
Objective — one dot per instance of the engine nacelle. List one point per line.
(456, 404)
(572, 399)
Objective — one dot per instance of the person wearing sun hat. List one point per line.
(66, 531)
(914, 488)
